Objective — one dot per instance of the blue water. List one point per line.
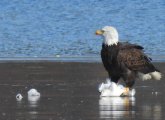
(46, 28)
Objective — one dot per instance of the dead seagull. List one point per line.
(110, 88)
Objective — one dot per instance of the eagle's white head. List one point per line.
(110, 35)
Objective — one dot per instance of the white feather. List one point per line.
(33, 96)
(33, 92)
(146, 77)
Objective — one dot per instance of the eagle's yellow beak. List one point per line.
(99, 32)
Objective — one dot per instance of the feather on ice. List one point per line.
(33, 92)
(110, 88)
(33, 95)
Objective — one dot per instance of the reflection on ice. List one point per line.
(152, 111)
(33, 97)
(33, 115)
(116, 107)
(33, 101)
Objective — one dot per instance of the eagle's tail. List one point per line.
(156, 75)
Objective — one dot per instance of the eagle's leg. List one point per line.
(129, 79)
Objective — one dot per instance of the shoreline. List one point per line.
(56, 68)
(66, 59)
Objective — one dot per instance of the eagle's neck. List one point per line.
(110, 39)
(110, 42)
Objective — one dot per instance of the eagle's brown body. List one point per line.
(126, 61)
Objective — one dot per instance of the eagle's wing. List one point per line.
(134, 58)
(127, 45)
(104, 56)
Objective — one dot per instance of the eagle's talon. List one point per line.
(126, 90)
(125, 93)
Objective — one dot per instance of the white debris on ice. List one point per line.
(33, 95)
(110, 88)
(19, 97)
(33, 92)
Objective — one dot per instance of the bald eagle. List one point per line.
(125, 60)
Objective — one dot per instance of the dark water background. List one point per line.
(46, 28)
